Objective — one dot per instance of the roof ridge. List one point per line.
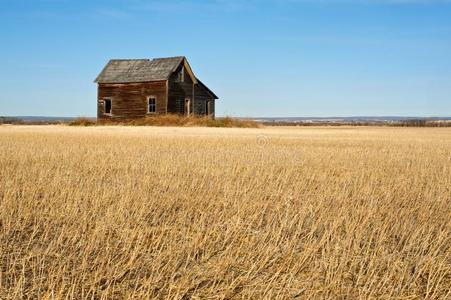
(169, 57)
(128, 59)
(139, 70)
(149, 59)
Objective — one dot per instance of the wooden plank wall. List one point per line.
(179, 91)
(130, 100)
(202, 96)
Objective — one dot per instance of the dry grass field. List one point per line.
(217, 213)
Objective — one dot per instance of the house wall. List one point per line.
(130, 100)
(202, 96)
(179, 91)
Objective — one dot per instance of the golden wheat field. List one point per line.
(211, 213)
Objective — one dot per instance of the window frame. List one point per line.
(111, 106)
(154, 105)
(187, 107)
(181, 75)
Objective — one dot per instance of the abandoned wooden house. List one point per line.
(137, 88)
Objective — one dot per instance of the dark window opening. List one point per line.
(181, 75)
(152, 105)
(107, 103)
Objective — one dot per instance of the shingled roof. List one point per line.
(139, 70)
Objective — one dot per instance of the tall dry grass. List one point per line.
(180, 213)
(170, 120)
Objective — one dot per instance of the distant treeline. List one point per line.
(401, 123)
(159, 120)
(170, 120)
(18, 121)
(9, 120)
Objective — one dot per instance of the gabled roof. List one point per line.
(141, 70)
(207, 89)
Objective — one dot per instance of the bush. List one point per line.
(177, 120)
(82, 122)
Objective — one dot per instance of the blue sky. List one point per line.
(261, 57)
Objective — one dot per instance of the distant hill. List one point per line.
(36, 120)
(47, 119)
(356, 120)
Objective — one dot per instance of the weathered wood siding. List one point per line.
(179, 91)
(130, 100)
(202, 97)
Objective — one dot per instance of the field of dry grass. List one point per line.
(216, 213)
(171, 120)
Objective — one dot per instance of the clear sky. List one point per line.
(261, 57)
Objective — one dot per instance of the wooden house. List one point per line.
(138, 88)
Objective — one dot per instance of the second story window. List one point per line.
(152, 105)
(181, 75)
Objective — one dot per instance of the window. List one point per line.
(181, 75)
(107, 103)
(187, 106)
(151, 105)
